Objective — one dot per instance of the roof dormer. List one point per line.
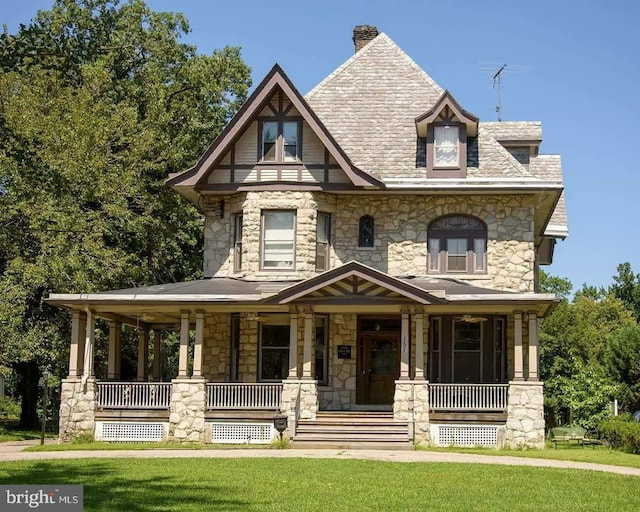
(446, 128)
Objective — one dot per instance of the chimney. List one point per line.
(363, 35)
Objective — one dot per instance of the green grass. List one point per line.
(10, 431)
(98, 445)
(190, 485)
(597, 454)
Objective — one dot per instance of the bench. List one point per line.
(573, 433)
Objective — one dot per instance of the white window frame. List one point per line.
(264, 241)
(444, 144)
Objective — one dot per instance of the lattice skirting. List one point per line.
(466, 435)
(133, 432)
(242, 432)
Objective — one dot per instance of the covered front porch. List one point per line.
(355, 341)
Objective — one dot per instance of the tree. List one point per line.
(561, 286)
(99, 102)
(626, 287)
(623, 361)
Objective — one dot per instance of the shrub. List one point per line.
(9, 408)
(621, 433)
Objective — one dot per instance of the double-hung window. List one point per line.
(323, 240)
(279, 141)
(446, 146)
(278, 239)
(457, 244)
(237, 242)
(274, 349)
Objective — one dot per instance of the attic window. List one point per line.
(279, 141)
(446, 146)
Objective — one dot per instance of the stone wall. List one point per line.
(525, 415)
(77, 408)
(188, 403)
(216, 350)
(400, 233)
(411, 404)
(341, 391)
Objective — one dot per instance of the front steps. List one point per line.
(353, 430)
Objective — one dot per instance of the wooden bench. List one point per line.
(570, 434)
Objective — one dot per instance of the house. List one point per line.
(371, 260)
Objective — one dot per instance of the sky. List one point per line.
(573, 68)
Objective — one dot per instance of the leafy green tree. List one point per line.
(561, 286)
(623, 361)
(99, 102)
(626, 287)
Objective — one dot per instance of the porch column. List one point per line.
(404, 346)
(74, 367)
(293, 344)
(114, 350)
(533, 346)
(308, 338)
(518, 361)
(183, 363)
(197, 349)
(90, 333)
(82, 342)
(157, 355)
(419, 372)
(143, 353)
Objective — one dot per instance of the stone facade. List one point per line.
(216, 351)
(400, 234)
(188, 403)
(411, 404)
(299, 401)
(525, 415)
(77, 408)
(340, 393)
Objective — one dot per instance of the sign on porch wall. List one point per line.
(344, 351)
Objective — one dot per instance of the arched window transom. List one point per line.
(457, 245)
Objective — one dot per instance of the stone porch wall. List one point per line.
(77, 408)
(401, 233)
(188, 404)
(525, 415)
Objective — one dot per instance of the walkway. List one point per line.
(12, 452)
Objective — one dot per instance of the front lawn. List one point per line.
(300, 485)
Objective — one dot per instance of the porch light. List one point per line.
(280, 423)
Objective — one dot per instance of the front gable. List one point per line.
(353, 283)
(273, 140)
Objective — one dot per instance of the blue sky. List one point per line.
(576, 69)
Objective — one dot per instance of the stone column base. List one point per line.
(525, 415)
(299, 401)
(411, 404)
(188, 404)
(77, 408)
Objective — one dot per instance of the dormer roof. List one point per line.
(447, 109)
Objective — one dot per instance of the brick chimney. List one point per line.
(363, 35)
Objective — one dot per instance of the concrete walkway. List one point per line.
(13, 452)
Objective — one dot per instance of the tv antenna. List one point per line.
(496, 80)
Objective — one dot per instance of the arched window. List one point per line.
(457, 245)
(366, 231)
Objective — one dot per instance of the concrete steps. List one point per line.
(353, 430)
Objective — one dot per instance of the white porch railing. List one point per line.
(244, 396)
(134, 395)
(468, 397)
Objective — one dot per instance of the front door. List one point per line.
(378, 368)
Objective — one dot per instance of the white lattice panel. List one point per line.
(130, 431)
(240, 433)
(465, 435)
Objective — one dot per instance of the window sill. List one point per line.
(459, 276)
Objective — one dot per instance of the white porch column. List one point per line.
(88, 344)
(293, 344)
(157, 355)
(518, 360)
(533, 346)
(197, 348)
(308, 346)
(82, 342)
(404, 346)
(143, 353)
(183, 363)
(114, 350)
(74, 367)
(419, 372)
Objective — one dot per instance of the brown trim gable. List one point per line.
(447, 100)
(275, 79)
(355, 280)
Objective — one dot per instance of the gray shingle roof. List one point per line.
(515, 130)
(549, 167)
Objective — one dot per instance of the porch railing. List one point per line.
(468, 397)
(244, 396)
(134, 395)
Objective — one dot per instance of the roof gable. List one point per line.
(275, 81)
(447, 107)
(353, 282)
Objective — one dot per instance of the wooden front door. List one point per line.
(378, 368)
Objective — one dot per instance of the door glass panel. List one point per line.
(384, 357)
